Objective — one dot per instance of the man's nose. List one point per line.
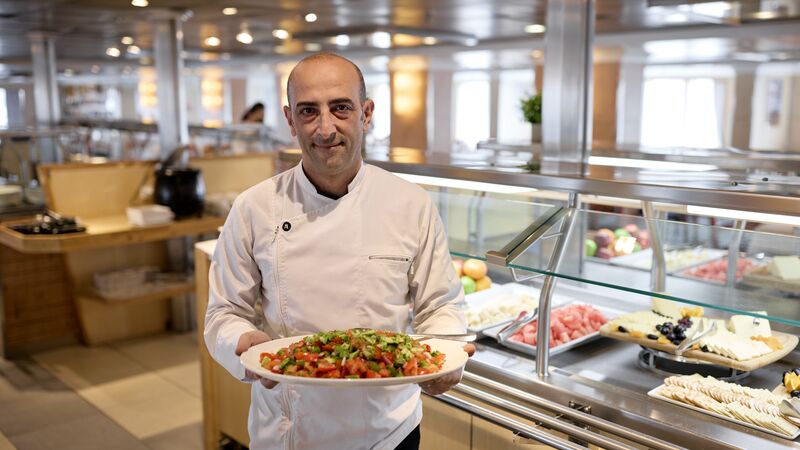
(327, 125)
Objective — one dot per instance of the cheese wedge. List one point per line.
(748, 326)
(785, 267)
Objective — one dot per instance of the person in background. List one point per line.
(332, 243)
(255, 114)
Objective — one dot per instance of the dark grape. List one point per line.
(622, 329)
(676, 342)
(652, 336)
(796, 394)
(796, 371)
(671, 336)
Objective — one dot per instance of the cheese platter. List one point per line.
(763, 277)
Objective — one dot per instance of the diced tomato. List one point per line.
(332, 374)
(371, 374)
(309, 357)
(384, 373)
(325, 366)
(410, 368)
(327, 347)
(388, 359)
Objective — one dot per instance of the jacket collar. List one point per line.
(309, 188)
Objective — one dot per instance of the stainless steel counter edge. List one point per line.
(716, 198)
(632, 412)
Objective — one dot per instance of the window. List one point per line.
(471, 102)
(3, 109)
(514, 86)
(681, 112)
(378, 90)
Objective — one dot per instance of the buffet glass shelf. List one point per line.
(699, 278)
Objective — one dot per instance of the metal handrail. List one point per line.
(578, 416)
(521, 428)
(550, 422)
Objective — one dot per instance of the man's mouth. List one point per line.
(329, 146)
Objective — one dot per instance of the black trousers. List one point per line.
(411, 442)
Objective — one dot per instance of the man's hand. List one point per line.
(248, 340)
(445, 383)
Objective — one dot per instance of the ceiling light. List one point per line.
(676, 18)
(381, 39)
(765, 15)
(229, 11)
(535, 28)
(280, 33)
(212, 41)
(429, 40)
(127, 40)
(140, 3)
(311, 17)
(134, 50)
(342, 40)
(95, 69)
(471, 42)
(537, 54)
(113, 52)
(312, 47)
(244, 37)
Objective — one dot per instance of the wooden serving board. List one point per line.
(763, 278)
(788, 341)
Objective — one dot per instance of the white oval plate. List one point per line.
(455, 359)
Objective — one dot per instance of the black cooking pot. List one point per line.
(181, 189)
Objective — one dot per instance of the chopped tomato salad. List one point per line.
(358, 353)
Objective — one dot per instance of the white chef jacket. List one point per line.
(319, 264)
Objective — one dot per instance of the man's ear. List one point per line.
(287, 112)
(369, 108)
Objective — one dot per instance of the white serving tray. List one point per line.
(531, 350)
(644, 259)
(505, 292)
(654, 393)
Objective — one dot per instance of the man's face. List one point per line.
(327, 116)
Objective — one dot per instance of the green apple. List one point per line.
(621, 232)
(591, 247)
(469, 284)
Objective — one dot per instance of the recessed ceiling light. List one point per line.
(127, 40)
(312, 47)
(535, 28)
(140, 3)
(676, 18)
(229, 11)
(381, 39)
(342, 40)
(212, 41)
(280, 33)
(244, 37)
(134, 50)
(429, 40)
(765, 15)
(113, 52)
(311, 17)
(536, 54)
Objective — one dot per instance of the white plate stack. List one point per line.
(142, 216)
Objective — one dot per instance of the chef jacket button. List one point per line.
(286, 226)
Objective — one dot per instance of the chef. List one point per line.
(333, 243)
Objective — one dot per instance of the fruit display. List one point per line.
(791, 381)
(718, 270)
(567, 323)
(607, 244)
(472, 273)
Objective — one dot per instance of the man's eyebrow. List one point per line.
(305, 104)
(337, 101)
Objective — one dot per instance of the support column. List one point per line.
(631, 94)
(566, 109)
(494, 96)
(173, 129)
(440, 121)
(46, 100)
(743, 106)
(605, 82)
(409, 88)
(14, 106)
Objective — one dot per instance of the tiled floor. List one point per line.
(142, 394)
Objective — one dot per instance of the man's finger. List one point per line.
(470, 349)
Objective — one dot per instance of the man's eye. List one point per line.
(307, 111)
(343, 108)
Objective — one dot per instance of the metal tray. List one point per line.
(482, 298)
(654, 393)
(531, 350)
(642, 260)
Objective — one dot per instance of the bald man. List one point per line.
(330, 244)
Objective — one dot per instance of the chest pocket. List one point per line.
(388, 275)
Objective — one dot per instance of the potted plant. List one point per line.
(532, 111)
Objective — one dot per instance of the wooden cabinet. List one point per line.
(444, 426)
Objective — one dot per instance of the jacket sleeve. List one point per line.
(234, 287)
(436, 292)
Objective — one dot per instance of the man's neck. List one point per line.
(334, 187)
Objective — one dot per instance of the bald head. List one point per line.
(324, 57)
